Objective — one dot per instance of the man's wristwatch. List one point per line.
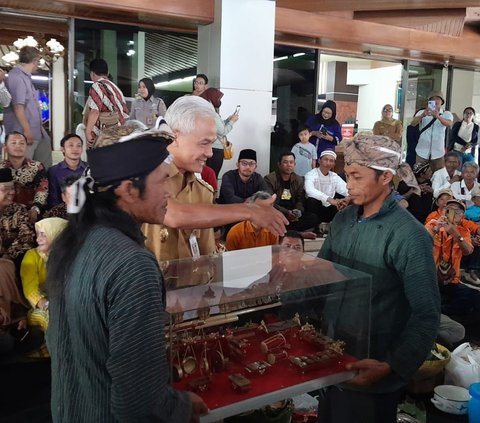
(461, 239)
(35, 209)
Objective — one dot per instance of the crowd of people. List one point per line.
(73, 236)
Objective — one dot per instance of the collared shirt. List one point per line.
(31, 182)
(56, 175)
(461, 192)
(19, 84)
(321, 187)
(244, 235)
(147, 111)
(441, 180)
(393, 247)
(168, 243)
(105, 96)
(431, 144)
(447, 249)
(16, 230)
(468, 224)
(234, 190)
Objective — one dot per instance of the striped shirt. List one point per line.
(106, 337)
(105, 96)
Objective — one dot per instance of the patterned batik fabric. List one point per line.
(16, 231)
(31, 183)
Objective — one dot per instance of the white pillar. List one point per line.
(236, 53)
(138, 62)
(57, 102)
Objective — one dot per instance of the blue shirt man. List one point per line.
(72, 165)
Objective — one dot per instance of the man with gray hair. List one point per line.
(462, 190)
(447, 175)
(187, 230)
(24, 115)
(247, 234)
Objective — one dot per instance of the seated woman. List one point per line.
(464, 137)
(388, 126)
(33, 272)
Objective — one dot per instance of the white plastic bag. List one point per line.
(464, 366)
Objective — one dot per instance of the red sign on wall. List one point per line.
(347, 130)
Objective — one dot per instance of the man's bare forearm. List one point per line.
(91, 120)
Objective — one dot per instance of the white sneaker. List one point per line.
(471, 277)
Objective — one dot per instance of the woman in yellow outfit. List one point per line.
(33, 272)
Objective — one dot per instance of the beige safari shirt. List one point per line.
(170, 244)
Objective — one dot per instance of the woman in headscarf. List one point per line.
(146, 108)
(33, 272)
(388, 126)
(325, 130)
(214, 96)
(464, 136)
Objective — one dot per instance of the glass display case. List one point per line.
(251, 327)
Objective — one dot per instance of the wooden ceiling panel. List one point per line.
(448, 22)
(376, 38)
(359, 5)
(167, 14)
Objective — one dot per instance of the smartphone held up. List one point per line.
(450, 215)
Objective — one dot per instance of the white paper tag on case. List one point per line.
(194, 246)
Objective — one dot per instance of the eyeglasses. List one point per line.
(456, 212)
(249, 164)
(388, 110)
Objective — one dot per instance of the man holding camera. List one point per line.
(433, 124)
